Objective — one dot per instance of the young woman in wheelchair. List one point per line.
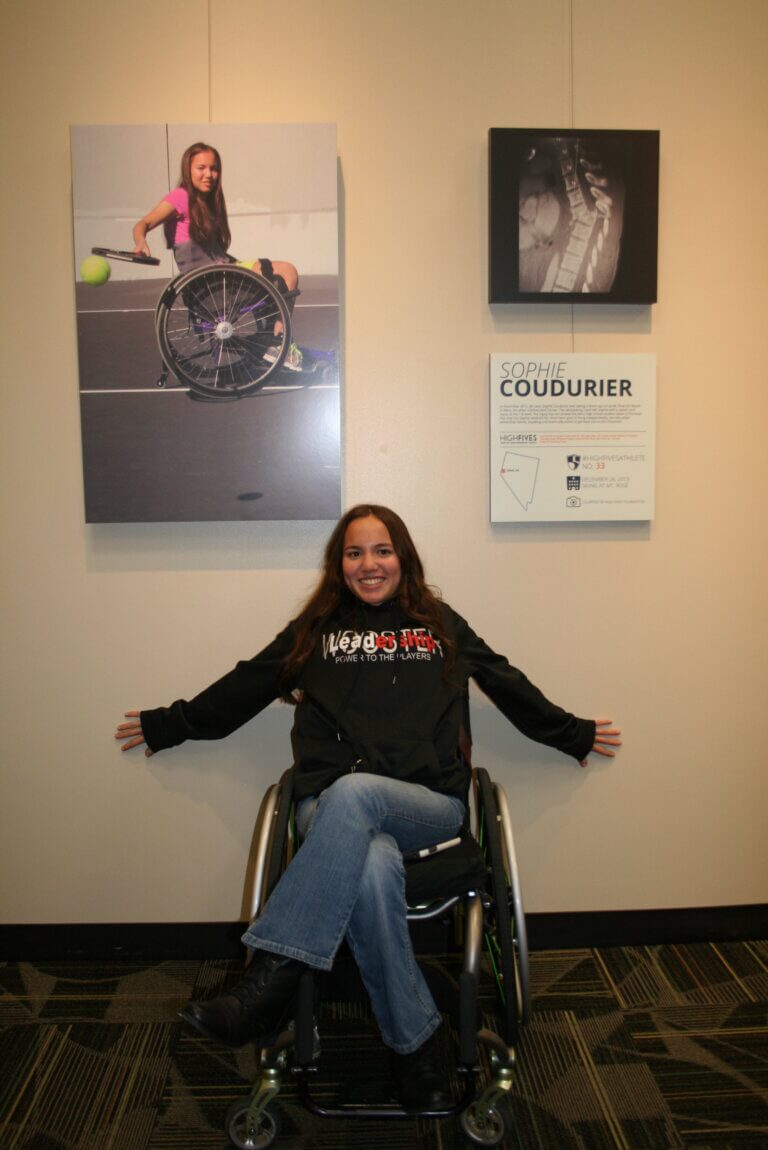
(196, 225)
(376, 666)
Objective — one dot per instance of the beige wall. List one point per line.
(663, 627)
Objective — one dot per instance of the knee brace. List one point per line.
(268, 272)
(266, 269)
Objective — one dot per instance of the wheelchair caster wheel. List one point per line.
(161, 380)
(483, 1125)
(249, 1136)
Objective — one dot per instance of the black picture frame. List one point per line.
(573, 215)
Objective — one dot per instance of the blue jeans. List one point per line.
(348, 880)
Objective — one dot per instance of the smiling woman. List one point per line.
(370, 564)
(377, 667)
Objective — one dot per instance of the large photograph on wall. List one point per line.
(207, 295)
(573, 216)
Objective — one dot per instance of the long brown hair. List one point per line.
(208, 221)
(417, 600)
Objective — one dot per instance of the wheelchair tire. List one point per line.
(245, 1137)
(484, 1126)
(214, 326)
(501, 944)
(278, 852)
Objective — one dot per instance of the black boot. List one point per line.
(253, 1010)
(420, 1078)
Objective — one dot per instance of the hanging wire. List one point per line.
(570, 124)
(210, 63)
(570, 63)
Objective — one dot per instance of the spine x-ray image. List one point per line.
(571, 215)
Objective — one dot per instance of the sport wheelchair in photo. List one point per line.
(474, 882)
(215, 328)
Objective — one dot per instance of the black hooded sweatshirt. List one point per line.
(376, 697)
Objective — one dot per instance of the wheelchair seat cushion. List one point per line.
(446, 874)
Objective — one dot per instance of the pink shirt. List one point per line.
(179, 200)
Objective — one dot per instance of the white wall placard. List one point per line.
(572, 437)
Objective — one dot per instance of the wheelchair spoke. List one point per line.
(199, 312)
(493, 955)
(252, 346)
(215, 301)
(232, 313)
(216, 327)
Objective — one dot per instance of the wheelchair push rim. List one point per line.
(507, 946)
(215, 325)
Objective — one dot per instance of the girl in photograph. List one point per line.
(194, 217)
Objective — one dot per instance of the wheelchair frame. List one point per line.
(214, 325)
(495, 917)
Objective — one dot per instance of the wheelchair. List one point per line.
(476, 881)
(215, 324)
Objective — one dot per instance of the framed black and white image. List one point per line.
(573, 215)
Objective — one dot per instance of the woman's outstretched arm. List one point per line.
(159, 214)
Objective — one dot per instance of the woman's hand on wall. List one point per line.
(606, 737)
(132, 733)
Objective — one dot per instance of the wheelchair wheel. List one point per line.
(483, 1125)
(214, 326)
(506, 942)
(247, 1136)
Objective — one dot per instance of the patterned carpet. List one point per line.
(644, 1048)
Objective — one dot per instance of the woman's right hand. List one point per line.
(132, 733)
(141, 248)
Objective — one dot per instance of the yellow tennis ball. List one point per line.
(95, 270)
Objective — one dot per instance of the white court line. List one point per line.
(134, 310)
(186, 390)
(300, 387)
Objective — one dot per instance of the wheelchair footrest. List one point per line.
(377, 1110)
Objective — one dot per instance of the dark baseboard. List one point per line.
(36, 942)
(568, 931)
(100, 942)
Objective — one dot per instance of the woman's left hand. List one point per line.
(606, 736)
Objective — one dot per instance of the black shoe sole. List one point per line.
(263, 1041)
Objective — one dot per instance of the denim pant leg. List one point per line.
(309, 911)
(379, 939)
